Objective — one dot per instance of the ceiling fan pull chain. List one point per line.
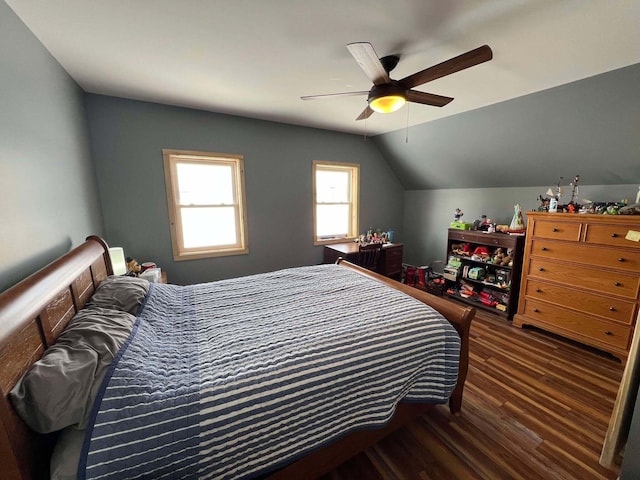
(406, 138)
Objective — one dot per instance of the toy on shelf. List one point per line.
(498, 256)
(508, 260)
(457, 223)
(463, 249)
(552, 203)
(517, 223)
(480, 254)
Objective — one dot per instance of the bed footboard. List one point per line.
(458, 315)
(322, 461)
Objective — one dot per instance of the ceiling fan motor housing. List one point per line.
(391, 88)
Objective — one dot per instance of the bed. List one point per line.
(36, 311)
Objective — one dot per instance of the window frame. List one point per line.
(354, 201)
(171, 159)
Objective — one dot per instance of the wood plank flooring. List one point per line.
(536, 406)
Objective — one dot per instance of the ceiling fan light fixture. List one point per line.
(387, 98)
(387, 103)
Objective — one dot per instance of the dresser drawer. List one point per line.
(611, 235)
(392, 260)
(556, 230)
(593, 279)
(612, 308)
(393, 253)
(579, 326)
(609, 258)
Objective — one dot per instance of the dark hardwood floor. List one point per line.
(536, 406)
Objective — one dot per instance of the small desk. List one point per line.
(390, 264)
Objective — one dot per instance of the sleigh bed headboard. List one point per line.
(32, 315)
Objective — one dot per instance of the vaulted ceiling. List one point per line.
(257, 58)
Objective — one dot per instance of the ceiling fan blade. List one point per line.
(368, 60)
(330, 95)
(466, 60)
(427, 98)
(366, 113)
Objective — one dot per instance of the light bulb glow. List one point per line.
(387, 103)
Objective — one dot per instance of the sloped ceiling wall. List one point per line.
(590, 128)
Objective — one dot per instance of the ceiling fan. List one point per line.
(388, 95)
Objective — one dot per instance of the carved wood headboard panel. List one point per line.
(32, 315)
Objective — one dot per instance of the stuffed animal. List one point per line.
(133, 267)
(508, 259)
(498, 256)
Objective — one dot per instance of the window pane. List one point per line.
(332, 186)
(332, 220)
(205, 227)
(200, 184)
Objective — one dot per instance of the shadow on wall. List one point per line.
(23, 269)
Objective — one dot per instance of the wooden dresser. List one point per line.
(581, 278)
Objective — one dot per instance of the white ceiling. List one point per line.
(257, 58)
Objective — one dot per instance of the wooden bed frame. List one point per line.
(35, 311)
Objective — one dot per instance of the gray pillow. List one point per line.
(121, 293)
(59, 389)
(66, 454)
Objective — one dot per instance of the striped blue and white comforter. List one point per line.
(231, 379)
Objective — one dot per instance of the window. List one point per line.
(335, 201)
(205, 192)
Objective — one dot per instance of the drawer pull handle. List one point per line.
(612, 309)
(544, 249)
(554, 229)
(621, 259)
(614, 235)
(541, 269)
(608, 333)
(535, 310)
(616, 284)
(538, 290)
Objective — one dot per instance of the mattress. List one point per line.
(235, 378)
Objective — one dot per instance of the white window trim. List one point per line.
(171, 159)
(354, 168)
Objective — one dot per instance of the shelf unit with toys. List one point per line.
(484, 269)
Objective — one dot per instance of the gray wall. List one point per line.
(127, 138)
(428, 213)
(589, 127)
(48, 201)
